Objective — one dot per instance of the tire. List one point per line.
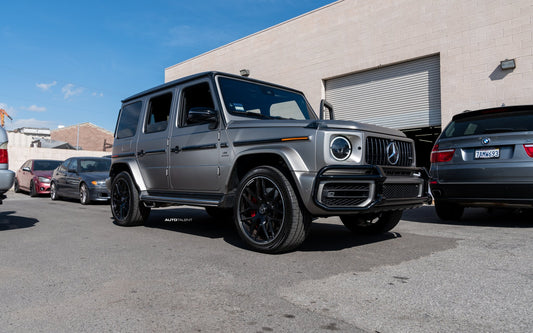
(267, 213)
(53, 191)
(224, 214)
(84, 194)
(372, 224)
(33, 191)
(125, 205)
(448, 211)
(16, 186)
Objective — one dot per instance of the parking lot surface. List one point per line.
(68, 268)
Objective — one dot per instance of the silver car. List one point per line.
(484, 158)
(6, 176)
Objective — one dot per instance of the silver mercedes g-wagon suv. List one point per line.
(257, 153)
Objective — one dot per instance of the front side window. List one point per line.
(158, 113)
(73, 166)
(196, 96)
(250, 99)
(128, 120)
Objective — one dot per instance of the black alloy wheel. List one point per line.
(125, 205)
(267, 213)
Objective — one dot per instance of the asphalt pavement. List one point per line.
(67, 268)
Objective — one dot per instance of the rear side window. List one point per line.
(490, 123)
(128, 120)
(158, 113)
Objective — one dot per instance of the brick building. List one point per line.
(86, 136)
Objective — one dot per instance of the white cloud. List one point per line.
(45, 86)
(36, 108)
(32, 122)
(97, 94)
(70, 90)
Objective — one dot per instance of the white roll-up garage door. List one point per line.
(401, 96)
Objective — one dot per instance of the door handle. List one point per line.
(140, 153)
(175, 149)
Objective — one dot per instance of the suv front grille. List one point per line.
(376, 152)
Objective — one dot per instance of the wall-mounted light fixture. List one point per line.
(507, 64)
(245, 72)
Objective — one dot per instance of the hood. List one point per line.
(43, 173)
(90, 176)
(318, 124)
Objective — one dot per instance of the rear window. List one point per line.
(490, 123)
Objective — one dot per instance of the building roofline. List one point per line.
(80, 124)
(257, 33)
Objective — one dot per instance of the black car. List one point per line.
(484, 158)
(81, 177)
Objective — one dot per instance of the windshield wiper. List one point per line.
(255, 115)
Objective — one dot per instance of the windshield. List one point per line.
(256, 100)
(45, 165)
(490, 123)
(95, 165)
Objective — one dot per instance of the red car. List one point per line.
(34, 176)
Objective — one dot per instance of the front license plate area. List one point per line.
(489, 153)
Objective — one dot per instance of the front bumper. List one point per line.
(485, 194)
(98, 193)
(42, 188)
(340, 190)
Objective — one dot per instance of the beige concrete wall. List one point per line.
(348, 36)
(19, 155)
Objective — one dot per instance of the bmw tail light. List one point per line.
(529, 149)
(438, 156)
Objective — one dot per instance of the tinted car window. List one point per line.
(128, 120)
(490, 123)
(196, 96)
(261, 101)
(45, 165)
(73, 165)
(95, 165)
(158, 112)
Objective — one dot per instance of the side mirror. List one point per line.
(326, 105)
(72, 171)
(199, 115)
(26, 169)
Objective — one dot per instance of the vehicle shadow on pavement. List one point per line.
(482, 217)
(322, 237)
(193, 221)
(8, 221)
(333, 237)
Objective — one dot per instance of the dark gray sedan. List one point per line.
(81, 177)
(484, 158)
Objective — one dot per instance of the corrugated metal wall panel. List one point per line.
(400, 96)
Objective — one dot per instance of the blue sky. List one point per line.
(70, 62)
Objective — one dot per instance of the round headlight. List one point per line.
(340, 148)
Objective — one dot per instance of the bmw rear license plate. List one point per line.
(487, 153)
